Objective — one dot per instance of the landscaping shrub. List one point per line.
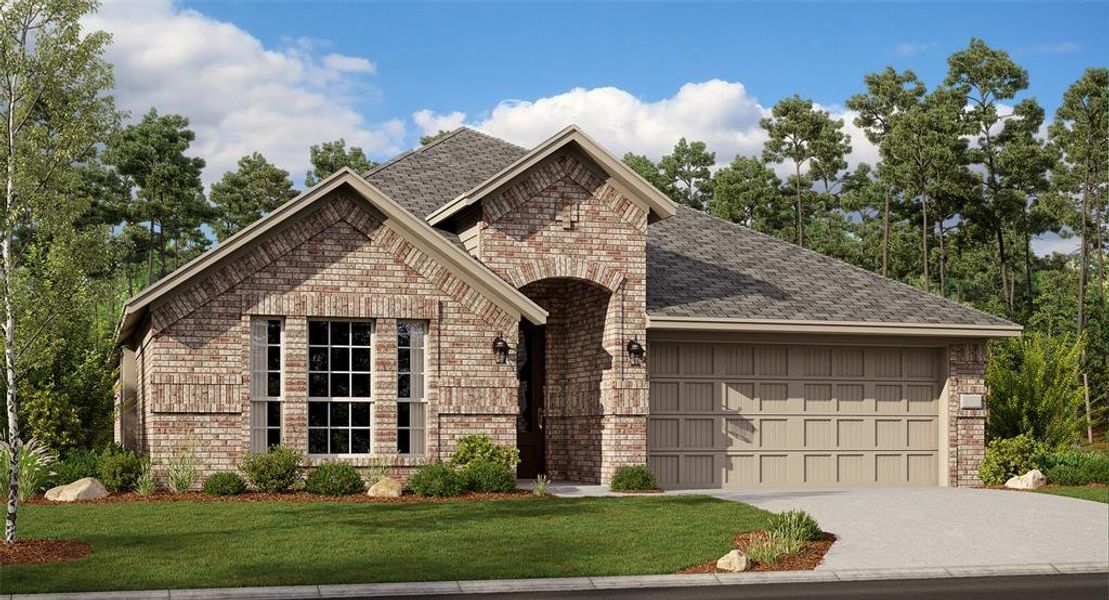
(796, 525)
(224, 484)
(78, 464)
(380, 468)
(477, 447)
(35, 460)
(768, 548)
(119, 469)
(436, 479)
(273, 471)
(1075, 467)
(634, 478)
(182, 471)
(146, 484)
(1009, 457)
(491, 477)
(334, 479)
(541, 485)
(1035, 389)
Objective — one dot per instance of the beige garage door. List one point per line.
(780, 416)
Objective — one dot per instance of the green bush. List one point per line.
(334, 479)
(1035, 389)
(146, 484)
(119, 469)
(634, 478)
(491, 477)
(35, 460)
(436, 479)
(1075, 467)
(477, 447)
(78, 464)
(224, 484)
(769, 548)
(182, 471)
(1009, 457)
(796, 525)
(273, 471)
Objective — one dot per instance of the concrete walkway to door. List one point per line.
(935, 527)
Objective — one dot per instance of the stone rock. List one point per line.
(386, 488)
(734, 561)
(1029, 481)
(88, 488)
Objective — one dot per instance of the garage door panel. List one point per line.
(774, 416)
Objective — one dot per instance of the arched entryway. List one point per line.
(561, 367)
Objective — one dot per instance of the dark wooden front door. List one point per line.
(529, 425)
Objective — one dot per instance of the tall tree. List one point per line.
(244, 195)
(801, 133)
(984, 77)
(748, 192)
(54, 111)
(169, 193)
(888, 94)
(433, 137)
(1079, 131)
(648, 170)
(687, 168)
(329, 157)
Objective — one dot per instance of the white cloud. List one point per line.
(430, 122)
(1057, 48)
(239, 95)
(913, 48)
(720, 113)
(1051, 243)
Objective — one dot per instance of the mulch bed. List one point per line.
(31, 551)
(806, 560)
(290, 497)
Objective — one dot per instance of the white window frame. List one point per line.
(262, 398)
(416, 399)
(350, 400)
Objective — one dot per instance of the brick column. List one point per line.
(294, 413)
(385, 387)
(966, 427)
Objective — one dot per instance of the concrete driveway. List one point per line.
(945, 527)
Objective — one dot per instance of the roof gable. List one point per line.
(654, 201)
(412, 228)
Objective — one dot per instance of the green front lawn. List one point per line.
(155, 545)
(1097, 493)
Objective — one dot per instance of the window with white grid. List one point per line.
(340, 363)
(411, 404)
(266, 360)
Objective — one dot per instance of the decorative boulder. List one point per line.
(1029, 481)
(88, 488)
(734, 561)
(386, 488)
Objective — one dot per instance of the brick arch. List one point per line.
(566, 267)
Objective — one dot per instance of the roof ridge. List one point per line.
(420, 149)
(837, 261)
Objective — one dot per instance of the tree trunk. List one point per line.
(943, 261)
(800, 215)
(886, 235)
(1083, 267)
(1006, 290)
(924, 241)
(9, 331)
(150, 253)
(1031, 301)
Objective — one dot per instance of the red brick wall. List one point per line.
(966, 428)
(337, 262)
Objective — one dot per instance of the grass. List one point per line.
(1097, 493)
(157, 545)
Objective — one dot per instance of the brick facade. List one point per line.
(966, 428)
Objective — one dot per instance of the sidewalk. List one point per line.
(524, 586)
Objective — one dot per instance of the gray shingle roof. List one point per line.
(697, 265)
(705, 267)
(425, 178)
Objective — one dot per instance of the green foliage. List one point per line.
(436, 480)
(648, 170)
(491, 477)
(274, 470)
(1075, 467)
(431, 138)
(119, 469)
(796, 525)
(749, 193)
(1034, 388)
(225, 483)
(182, 471)
(327, 158)
(1009, 457)
(77, 464)
(542, 485)
(768, 548)
(35, 461)
(480, 447)
(334, 479)
(634, 478)
(380, 468)
(244, 195)
(687, 170)
(146, 485)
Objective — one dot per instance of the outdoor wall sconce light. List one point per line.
(636, 352)
(500, 348)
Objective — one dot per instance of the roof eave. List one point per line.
(670, 323)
